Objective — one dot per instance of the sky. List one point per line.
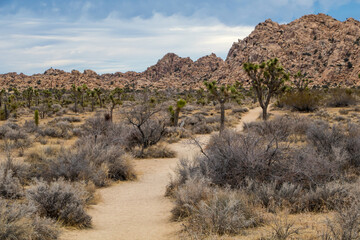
(109, 36)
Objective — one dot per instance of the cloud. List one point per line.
(230, 12)
(32, 45)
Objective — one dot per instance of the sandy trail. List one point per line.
(138, 209)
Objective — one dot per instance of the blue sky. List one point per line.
(123, 35)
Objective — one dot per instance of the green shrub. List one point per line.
(340, 97)
(306, 101)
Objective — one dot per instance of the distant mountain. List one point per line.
(326, 49)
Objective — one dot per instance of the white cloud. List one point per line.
(32, 45)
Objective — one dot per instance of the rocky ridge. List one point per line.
(326, 49)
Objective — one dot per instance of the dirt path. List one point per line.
(139, 210)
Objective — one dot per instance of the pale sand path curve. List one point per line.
(138, 210)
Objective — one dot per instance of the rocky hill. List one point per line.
(326, 49)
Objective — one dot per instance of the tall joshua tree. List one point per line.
(223, 93)
(267, 79)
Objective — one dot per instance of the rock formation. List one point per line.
(326, 49)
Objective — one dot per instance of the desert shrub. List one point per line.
(18, 221)
(279, 128)
(322, 113)
(212, 119)
(97, 162)
(273, 195)
(61, 201)
(224, 212)
(309, 167)
(15, 221)
(202, 128)
(49, 131)
(188, 195)
(329, 196)
(70, 119)
(150, 133)
(352, 146)
(184, 171)
(18, 170)
(10, 186)
(240, 110)
(283, 229)
(346, 224)
(75, 165)
(174, 134)
(29, 127)
(304, 101)
(338, 97)
(231, 157)
(157, 151)
(44, 229)
(344, 111)
(325, 138)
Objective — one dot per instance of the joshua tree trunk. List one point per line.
(76, 103)
(176, 117)
(222, 115)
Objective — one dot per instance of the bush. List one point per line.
(184, 171)
(188, 195)
(10, 186)
(61, 201)
(301, 101)
(95, 162)
(325, 138)
(224, 212)
(338, 97)
(157, 151)
(18, 221)
(346, 224)
(232, 157)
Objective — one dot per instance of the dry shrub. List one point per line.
(62, 201)
(18, 221)
(184, 171)
(174, 134)
(223, 212)
(188, 195)
(232, 157)
(240, 110)
(96, 162)
(159, 150)
(10, 187)
(346, 224)
(283, 229)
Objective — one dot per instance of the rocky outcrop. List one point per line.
(326, 49)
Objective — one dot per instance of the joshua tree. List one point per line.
(176, 112)
(28, 95)
(83, 89)
(2, 93)
(75, 94)
(300, 81)
(267, 79)
(114, 103)
(98, 93)
(92, 96)
(36, 117)
(222, 94)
